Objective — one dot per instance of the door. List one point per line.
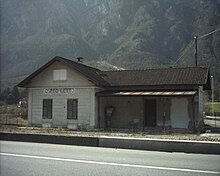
(150, 112)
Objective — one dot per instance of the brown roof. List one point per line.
(149, 77)
(154, 77)
(90, 72)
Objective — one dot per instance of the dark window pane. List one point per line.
(47, 108)
(72, 108)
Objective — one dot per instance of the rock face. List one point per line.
(126, 33)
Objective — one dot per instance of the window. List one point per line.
(47, 108)
(59, 75)
(72, 108)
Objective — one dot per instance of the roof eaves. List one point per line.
(93, 74)
(35, 73)
(89, 72)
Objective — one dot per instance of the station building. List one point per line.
(70, 94)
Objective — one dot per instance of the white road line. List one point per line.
(109, 163)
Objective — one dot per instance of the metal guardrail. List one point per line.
(215, 114)
(11, 119)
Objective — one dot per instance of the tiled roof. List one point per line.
(90, 72)
(164, 76)
(149, 77)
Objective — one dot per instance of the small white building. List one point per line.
(65, 93)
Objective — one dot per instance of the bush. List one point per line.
(13, 109)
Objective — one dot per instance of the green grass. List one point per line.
(216, 106)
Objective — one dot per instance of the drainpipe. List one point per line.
(143, 115)
(193, 113)
(30, 105)
(98, 125)
(164, 117)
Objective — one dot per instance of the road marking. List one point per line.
(109, 163)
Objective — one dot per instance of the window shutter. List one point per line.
(72, 108)
(47, 108)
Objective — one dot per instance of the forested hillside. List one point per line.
(133, 34)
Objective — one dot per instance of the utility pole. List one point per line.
(196, 46)
(196, 43)
(196, 50)
(212, 79)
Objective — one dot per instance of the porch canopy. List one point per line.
(146, 93)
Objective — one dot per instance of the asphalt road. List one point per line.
(212, 123)
(29, 159)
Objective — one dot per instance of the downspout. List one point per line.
(30, 104)
(98, 125)
(143, 104)
(193, 113)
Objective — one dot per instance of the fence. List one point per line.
(12, 119)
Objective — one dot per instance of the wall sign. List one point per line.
(59, 91)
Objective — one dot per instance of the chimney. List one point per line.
(80, 60)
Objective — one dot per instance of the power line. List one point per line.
(209, 33)
(190, 44)
(196, 43)
(185, 51)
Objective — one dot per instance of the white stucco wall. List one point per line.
(163, 108)
(82, 89)
(179, 113)
(86, 107)
(74, 78)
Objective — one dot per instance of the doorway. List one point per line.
(150, 114)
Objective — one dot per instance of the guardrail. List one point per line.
(12, 119)
(120, 142)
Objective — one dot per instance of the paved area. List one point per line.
(212, 117)
(211, 135)
(30, 159)
(212, 122)
(115, 133)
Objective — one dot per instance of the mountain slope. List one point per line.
(133, 34)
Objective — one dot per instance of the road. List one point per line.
(212, 123)
(30, 159)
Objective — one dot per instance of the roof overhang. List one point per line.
(86, 71)
(146, 93)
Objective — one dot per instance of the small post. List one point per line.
(80, 60)
(215, 120)
(196, 50)
(164, 115)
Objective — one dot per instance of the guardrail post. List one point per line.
(164, 120)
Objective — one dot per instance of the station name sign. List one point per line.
(59, 91)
